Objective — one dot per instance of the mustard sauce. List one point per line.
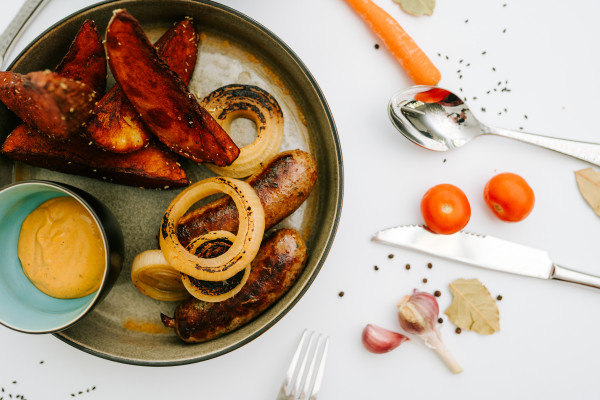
(61, 249)
(146, 327)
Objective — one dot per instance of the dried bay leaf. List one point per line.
(588, 182)
(417, 7)
(473, 307)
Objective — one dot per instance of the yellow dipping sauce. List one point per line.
(61, 249)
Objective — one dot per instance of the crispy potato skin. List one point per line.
(275, 269)
(150, 167)
(55, 105)
(85, 60)
(178, 48)
(282, 185)
(116, 126)
(170, 111)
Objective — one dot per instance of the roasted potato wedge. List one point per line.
(86, 60)
(150, 167)
(178, 47)
(116, 126)
(161, 97)
(45, 100)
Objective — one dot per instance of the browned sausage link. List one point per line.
(276, 267)
(282, 186)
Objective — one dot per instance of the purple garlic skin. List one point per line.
(418, 312)
(379, 340)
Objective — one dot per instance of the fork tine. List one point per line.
(319, 377)
(300, 376)
(310, 383)
(311, 352)
(294, 363)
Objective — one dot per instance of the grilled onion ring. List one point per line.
(152, 275)
(233, 101)
(247, 241)
(215, 242)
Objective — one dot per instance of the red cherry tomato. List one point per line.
(445, 209)
(509, 197)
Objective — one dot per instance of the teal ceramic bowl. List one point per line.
(23, 307)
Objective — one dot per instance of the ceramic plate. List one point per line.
(126, 326)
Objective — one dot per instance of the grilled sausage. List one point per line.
(282, 186)
(276, 267)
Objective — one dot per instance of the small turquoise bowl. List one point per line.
(23, 307)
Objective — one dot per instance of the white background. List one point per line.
(548, 346)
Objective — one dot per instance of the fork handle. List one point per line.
(585, 151)
(13, 31)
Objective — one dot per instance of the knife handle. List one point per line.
(568, 275)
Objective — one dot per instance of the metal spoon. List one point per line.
(437, 119)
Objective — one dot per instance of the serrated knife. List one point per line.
(483, 251)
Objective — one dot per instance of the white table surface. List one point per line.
(548, 346)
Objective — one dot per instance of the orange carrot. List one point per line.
(414, 61)
(434, 95)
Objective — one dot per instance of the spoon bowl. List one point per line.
(437, 119)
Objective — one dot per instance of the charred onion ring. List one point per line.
(152, 275)
(247, 241)
(233, 101)
(209, 245)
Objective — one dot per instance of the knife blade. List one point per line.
(483, 251)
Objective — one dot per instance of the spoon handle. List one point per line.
(585, 151)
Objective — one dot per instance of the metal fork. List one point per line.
(313, 350)
(13, 31)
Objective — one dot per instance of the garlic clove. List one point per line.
(379, 340)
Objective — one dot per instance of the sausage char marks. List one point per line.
(282, 185)
(275, 268)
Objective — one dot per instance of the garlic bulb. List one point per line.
(417, 314)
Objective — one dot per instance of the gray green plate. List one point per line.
(126, 326)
